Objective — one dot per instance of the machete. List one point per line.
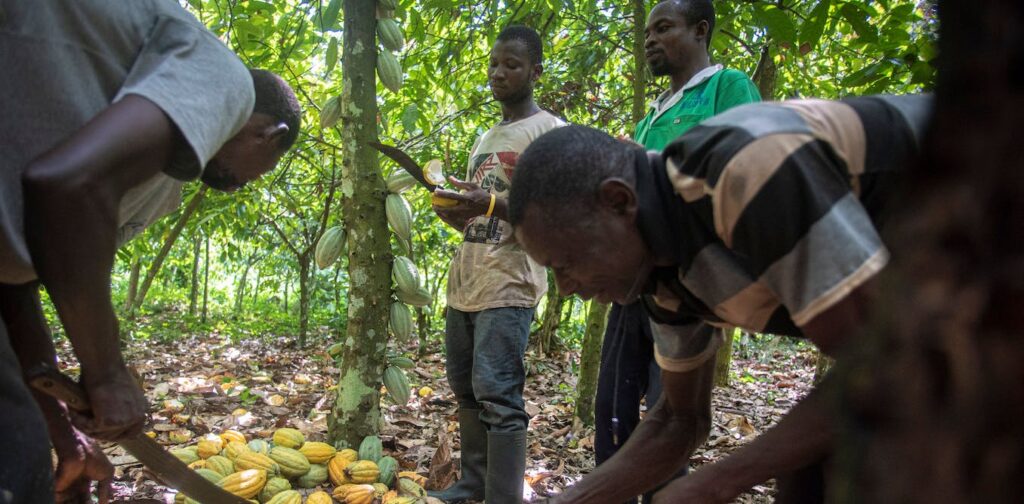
(413, 168)
(406, 162)
(165, 466)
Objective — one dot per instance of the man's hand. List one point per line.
(704, 486)
(473, 200)
(79, 463)
(119, 407)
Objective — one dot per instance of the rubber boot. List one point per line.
(506, 465)
(470, 486)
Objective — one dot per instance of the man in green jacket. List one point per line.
(677, 39)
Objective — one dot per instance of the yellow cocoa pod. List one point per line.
(293, 464)
(390, 496)
(341, 490)
(336, 466)
(379, 489)
(354, 494)
(319, 497)
(245, 484)
(209, 446)
(362, 471)
(220, 464)
(232, 435)
(199, 464)
(286, 497)
(253, 460)
(288, 438)
(317, 452)
(233, 448)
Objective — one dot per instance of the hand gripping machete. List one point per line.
(165, 466)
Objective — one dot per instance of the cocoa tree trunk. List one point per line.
(133, 284)
(590, 362)
(722, 360)
(765, 74)
(551, 320)
(193, 293)
(206, 278)
(356, 412)
(639, 108)
(158, 261)
(304, 274)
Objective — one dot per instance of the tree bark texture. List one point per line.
(193, 293)
(304, 274)
(356, 412)
(935, 404)
(722, 360)
(133, 283)
(590, 362)
(766, 73)
(206, 278)
(639, 108)
(547, 333)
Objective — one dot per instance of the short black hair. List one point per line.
(529, 37)
(566, 166)
(275, 98)
(696, 11)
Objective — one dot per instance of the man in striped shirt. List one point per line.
(765, 217)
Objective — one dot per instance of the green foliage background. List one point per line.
(821, 48)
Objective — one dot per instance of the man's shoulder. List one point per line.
(730, 75)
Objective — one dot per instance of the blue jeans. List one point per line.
(26, 476)
(484, 356)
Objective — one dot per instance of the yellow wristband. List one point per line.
(490, 208)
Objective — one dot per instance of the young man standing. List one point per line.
(493, 287)
(108, 108)
(677, 39)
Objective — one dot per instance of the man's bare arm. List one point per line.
(79, 460)
(660, 445)
(72, 194)
(804, 436)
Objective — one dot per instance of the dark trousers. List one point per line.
(628, 374)
(484, 357)
(26, 476)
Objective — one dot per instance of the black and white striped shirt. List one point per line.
(771, 212)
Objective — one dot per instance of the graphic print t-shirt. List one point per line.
(489, 269)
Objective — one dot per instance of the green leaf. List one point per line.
(812, 28)
(329, 16)
(332, 55)
(777, 22)
(858, 17)
(409, 117)
(862, 76)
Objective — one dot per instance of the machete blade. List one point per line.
(405, 161)
(165, 466)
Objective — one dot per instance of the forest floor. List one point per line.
(207, 384)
